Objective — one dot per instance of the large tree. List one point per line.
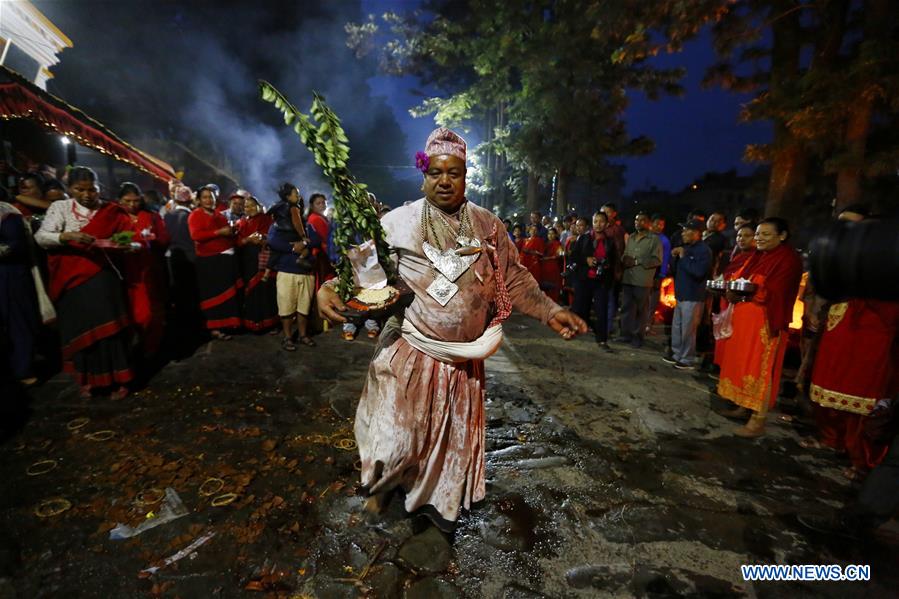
(547, 81)
(824, 108)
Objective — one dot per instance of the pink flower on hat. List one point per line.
(422, 161)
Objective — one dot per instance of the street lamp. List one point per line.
(71, 154)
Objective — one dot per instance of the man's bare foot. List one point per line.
(376, 503)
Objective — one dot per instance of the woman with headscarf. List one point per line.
(144, 272)
(752, 359)
(18, 301)
(218, 279)
(260, 307)
(87, 286)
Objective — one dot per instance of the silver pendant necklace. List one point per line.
(450, 264)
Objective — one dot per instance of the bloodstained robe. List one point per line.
(420, 421)
(855, 367)
(752, 358)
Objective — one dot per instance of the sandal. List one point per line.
(84, 392)
(307, 341)
(287, 344)
(853, 474)
(811, 443)
(220, 336)
(119, 394)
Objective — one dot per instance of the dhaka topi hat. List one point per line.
(443, 141)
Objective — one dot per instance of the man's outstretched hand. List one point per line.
(568, 324)
(329, 305)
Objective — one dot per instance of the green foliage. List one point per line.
(548, 79)
(354, 215)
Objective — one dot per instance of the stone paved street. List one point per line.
(608, 475)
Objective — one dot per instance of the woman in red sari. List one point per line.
(218, 279)
(532, 252)
(145, 277)
(743, 249)
(551, 266)
(518, 239)
(855, 369)
(86, 287)
(318, 221)
(752, 359)
(260, 307)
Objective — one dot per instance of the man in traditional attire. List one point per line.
(420, 421)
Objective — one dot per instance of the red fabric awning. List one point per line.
(21, 99)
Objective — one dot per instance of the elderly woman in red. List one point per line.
(260, 305)
(752, 358)
(144, 272)
(855, 371)
(217, 276)
(86, 287)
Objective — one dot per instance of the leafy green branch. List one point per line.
(355, 217)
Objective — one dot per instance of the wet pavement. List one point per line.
(608, 475)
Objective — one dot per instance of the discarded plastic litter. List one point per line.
(181, 554)
(171, 509)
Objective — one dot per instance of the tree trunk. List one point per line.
(533, 192)
(858, 124)
(849, 177)
(789, 164)
(561, 193)
(489, 165)
(501, 190)
(789, 170)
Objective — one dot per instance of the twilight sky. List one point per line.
(696, 133)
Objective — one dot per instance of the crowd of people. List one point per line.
(848, 351)
(111, 280)
(112, 277)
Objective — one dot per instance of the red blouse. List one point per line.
(203, 227)
(153, 224)
(247, 226)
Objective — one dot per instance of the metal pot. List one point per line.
(742, 286)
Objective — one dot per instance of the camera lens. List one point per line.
(859, 260)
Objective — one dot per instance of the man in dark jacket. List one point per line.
(595, 257)
(693, 265)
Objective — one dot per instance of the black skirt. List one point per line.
(94, 328)
(260, 302)
(219, 285)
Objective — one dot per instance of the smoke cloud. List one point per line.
(187, 72)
